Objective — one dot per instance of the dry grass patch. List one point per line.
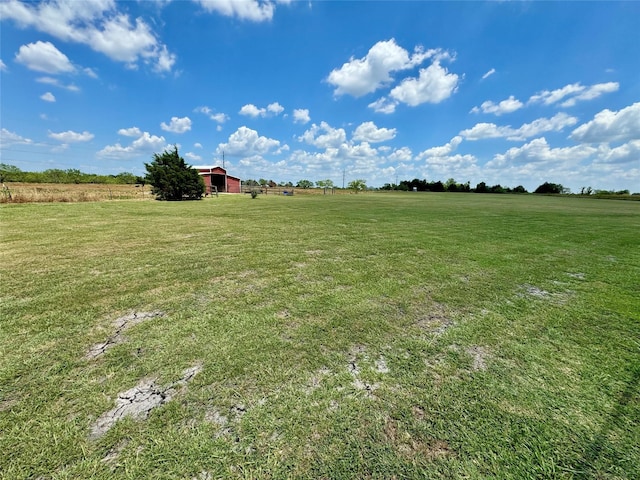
(71, 193)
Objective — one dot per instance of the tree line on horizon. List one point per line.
(10, 173)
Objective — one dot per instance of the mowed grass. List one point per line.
(352, 336)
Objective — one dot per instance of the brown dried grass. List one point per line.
(71, 192)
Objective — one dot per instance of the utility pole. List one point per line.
(223, 159)
(343, 174)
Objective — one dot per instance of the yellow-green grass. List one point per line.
(349, 336)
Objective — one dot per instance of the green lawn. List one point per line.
(350, 336)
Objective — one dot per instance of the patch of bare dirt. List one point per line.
(114, 452)
(138, 402)
(359, 352)
(435, 323)
(121, 324)
(316, 380)
(430, 316)
(415, 448)
(8, 404)
(381, 365)
(534, 291)
(577, 275)
(226, 422)
(418, 412)
(203, 475)
(479, 356)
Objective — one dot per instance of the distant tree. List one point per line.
(250, 183)
(9, 173)
(172, 179)
(357, 185)
(519, 189)
(450, 185)
(547, 187)
(305, 184)
(126, 178)
(328, 183)
(481, 188)
(436, 186)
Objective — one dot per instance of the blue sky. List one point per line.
(515, 93)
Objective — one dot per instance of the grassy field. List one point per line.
(348, 336)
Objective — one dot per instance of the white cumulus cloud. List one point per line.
(245, 142)
(403, 154)
(71, 137)
(253, 10)
(324, 136)
(144, 144)
(433, 85)
(509, 105)
(216, 117)
(57, 83)
(301, 115)
(275, 108)
(8, 138)
(538, 151)
(177, 125)
(3, 67)
(250, 110)
(98, 24)
(573, 93)
(490, 130)
(369, 132)
(443, 150)
(48, 97)
(360, 76)
(610, 126)
(384, 105)
(44, 57)
(130, 132)
(625, 153)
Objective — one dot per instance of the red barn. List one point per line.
(216, 177)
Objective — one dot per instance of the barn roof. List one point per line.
(214, 167)
(208, 167)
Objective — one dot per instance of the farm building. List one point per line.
(216, 177)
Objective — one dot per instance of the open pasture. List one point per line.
(348, 336)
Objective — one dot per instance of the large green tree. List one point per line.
(172, 179)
